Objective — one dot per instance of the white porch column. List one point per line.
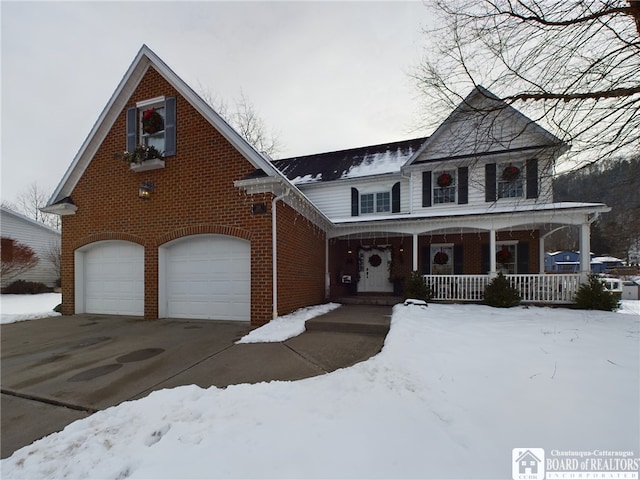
(415, 252)
(541, 255)
(585, 251)
(492, 253)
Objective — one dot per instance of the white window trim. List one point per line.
(150, 102)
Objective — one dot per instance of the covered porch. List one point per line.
(458, 255)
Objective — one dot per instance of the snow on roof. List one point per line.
(606, 259)
(351, 163)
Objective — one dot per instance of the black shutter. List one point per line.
(355, 199)
(490, 182)
(463, 185)
(523, 258)
(395, 198)
(426, 189)
(132, 129)
(170, 126)
(485, 262)
(532, 178)
(458, 260)
(426, 260)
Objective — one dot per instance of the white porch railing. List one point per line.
(532, 288)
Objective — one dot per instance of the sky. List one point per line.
(323, 76)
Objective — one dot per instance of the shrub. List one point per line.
(594, 296)
(499, 293)
(417, 288)
(58, 308)
(23, 287)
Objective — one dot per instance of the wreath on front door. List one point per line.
(375, 260)
(152, 121)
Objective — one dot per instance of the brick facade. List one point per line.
(194, 194)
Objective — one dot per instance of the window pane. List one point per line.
(366, 203)
(441, 260)
(155, 139)
(506, 258)
(510, 180)
(444, 187)
(383, 202)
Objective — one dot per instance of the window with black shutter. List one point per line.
(151, 125)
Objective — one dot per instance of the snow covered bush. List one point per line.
(594, 296)
(499, 293)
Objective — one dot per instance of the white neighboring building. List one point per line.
(41, 238)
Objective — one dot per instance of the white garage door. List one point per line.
(114, 278)
(209, 277)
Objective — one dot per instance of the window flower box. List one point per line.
(146, 165)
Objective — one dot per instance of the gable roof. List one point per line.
(29, 221)
(482, 124)
(350, 163)
(145, 59)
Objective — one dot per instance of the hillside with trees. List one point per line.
(615, 183)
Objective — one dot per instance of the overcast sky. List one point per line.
(323, 75)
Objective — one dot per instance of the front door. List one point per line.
(374, 271)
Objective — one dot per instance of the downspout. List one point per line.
(274, 252)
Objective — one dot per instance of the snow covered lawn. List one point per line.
(454, 390)
(16, 308)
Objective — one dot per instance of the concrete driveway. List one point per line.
(60, 369)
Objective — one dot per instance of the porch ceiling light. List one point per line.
(145, 190)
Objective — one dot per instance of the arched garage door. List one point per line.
(207, 277)
(110, 278)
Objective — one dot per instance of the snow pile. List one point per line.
(453, 391)
(286, 326)
(16, 308)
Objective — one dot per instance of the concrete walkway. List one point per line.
(57, 370)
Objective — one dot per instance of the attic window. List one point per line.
(152, 123)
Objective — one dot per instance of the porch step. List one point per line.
(370, 319)
(387, 300)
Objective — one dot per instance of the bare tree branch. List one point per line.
(571, 66)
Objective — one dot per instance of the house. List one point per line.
(42, 239)
(528, 463)
(569, 261)
(212, 228)
(609, 262)
(562, 261)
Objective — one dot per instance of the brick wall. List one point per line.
(301, 260)
(194, 193)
